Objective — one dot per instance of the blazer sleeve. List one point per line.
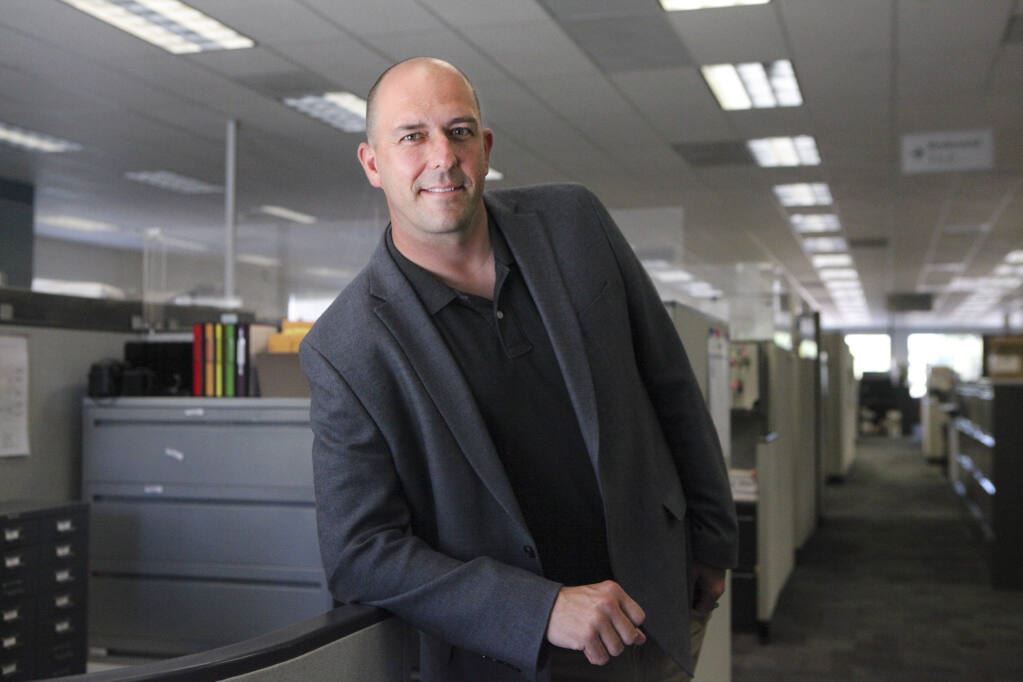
(681, 410)
(371, 557)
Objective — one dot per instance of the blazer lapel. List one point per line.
(408, 321)
(534, 255)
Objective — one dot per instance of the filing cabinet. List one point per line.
(43, 578)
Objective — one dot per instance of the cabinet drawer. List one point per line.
(19, 567)
(67, 599)
(53, 579)
(176, 537)
(202, 454)
(17, 616)
(60, 629)
(64, 525)
(16, 668)
(185, 616)
(17, 531)
(57, 660)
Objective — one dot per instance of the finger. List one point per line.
(610, 638)
(626, 629)
(633, 610)
(595, 652)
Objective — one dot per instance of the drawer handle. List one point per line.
(152, 489)
(62, 601)
(12, 561)
(63, 551)
(10, 615)
(65, 526)
(9, 669)
(10, 642)
(174, 454)
(62, 576)
(12, 534)
(62, 627)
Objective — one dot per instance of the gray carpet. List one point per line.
(892, 587)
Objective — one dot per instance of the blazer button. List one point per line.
(530, 552)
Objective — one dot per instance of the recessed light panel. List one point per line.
(174, 182)
(672, 275)
(809, 223)
(35, 142)
(753, 85)
(169, 24)
(685, 5)
(1014, 257)
(838, 273)
(771, 152)
(832, 260)
(288, 214)
(803, 194)
(342, 110)
(843, 285)
(256, 259)
(824, 244)
(72, 223)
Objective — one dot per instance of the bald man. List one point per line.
(511, 452)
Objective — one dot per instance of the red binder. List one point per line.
(198, 369)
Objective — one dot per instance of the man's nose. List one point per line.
(442, 152)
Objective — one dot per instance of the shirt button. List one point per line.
(500, 315)
(530, 552)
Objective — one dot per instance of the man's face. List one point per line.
(428, 151)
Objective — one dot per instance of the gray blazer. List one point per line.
(414, 510)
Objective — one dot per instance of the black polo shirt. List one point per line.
(507, 359)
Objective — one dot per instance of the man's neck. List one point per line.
(463, 260)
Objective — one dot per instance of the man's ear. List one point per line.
(488, 144)
(368, 160)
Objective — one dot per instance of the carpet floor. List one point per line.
(892, 587)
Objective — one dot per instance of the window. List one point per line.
(962, 352)
(871, 352)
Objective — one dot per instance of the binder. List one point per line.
(242, 362)
(229, 360)
(198, 369)
(209, 354)
(218, 359)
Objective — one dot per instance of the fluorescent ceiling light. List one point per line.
(256, 259)
(341, 110)
(832, 260)
(838, 273)
(75, 288)
(288, 214)
(73, 223)
(843, 285)
(944, 267)
(803, 194)
(984, 283)
(1014, 257)
(771, 152)
(815, 222)
(824, 244)
(173, 182)
(168, 24)
(753, 85)
(494, 174)
(35, 142)
(1004, 270)
(672, 275)
(685, 5)
(703, 290)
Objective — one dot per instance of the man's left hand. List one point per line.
(709, 586)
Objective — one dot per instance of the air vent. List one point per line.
(1014, 31)
(910, 302)
(714, 153)
(287, 84)
(868, 243)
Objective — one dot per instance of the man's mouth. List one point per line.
(447, 189)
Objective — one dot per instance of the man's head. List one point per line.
(427, 148)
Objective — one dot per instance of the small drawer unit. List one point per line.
(43, 583)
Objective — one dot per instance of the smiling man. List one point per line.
(511, 452)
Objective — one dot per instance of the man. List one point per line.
(511, 452)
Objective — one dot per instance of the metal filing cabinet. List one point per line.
(43, 589)
(204, 525)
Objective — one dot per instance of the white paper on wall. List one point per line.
(13, 396)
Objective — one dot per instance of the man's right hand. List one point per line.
(600, 620)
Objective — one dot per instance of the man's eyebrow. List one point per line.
(463, 119)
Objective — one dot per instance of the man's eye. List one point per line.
(461, 132)
(411, 137)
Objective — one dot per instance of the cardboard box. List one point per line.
(280, 376)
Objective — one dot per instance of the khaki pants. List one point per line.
(647, 663)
